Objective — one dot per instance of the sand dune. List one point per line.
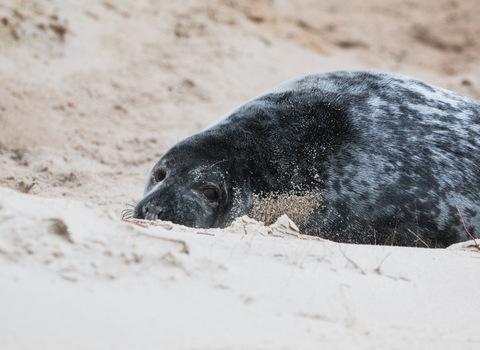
(93, 92)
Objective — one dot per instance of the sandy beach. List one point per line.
(94, 92)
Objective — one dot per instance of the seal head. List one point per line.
(197, 193)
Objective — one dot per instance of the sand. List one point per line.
(94, 92)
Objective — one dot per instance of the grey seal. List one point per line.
(359, 157)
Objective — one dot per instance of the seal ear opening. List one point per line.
(159, 175)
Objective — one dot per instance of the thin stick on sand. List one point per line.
(465, 227)
(418, 238)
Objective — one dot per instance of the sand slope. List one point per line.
(74, 277)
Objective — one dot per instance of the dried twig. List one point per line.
(352, 262)
(378, 268)
(465, 227)
(416, 215)
(396, 224)
(206, 233)
(138, 222)
(418, 238)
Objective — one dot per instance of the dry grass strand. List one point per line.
(465, 227)
(418, 238)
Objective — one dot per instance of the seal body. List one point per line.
(359, 157)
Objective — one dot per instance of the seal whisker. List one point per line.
(127, 212)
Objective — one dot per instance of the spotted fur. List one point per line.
(390, 158)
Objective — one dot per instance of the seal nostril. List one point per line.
(160, 175)
(146, 211)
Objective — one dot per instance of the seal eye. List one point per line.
(159, 175)
(210, 194)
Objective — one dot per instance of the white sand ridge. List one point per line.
(74, 276)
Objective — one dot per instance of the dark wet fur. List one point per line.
(390, 156)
